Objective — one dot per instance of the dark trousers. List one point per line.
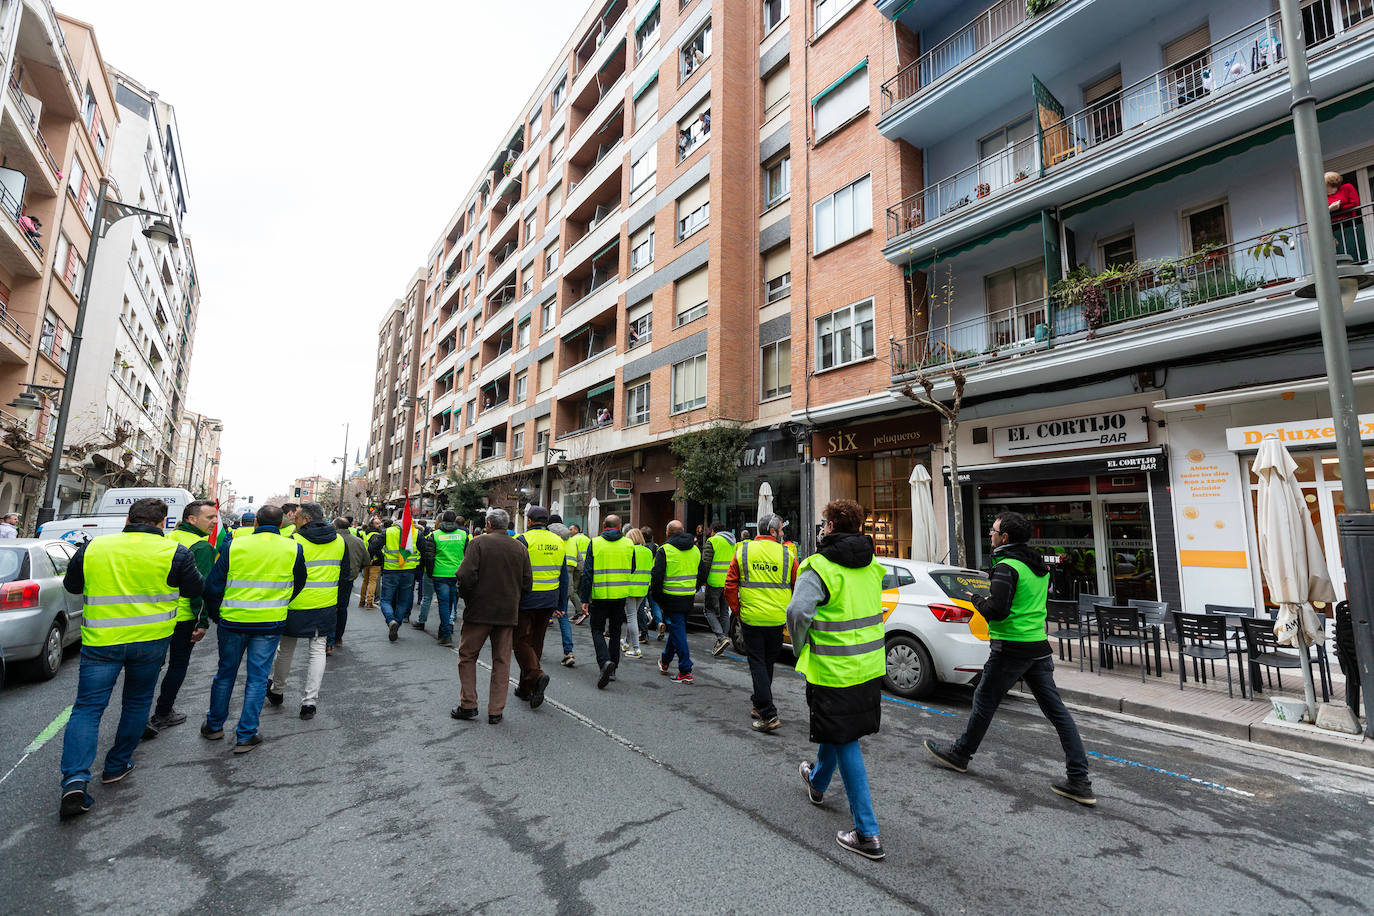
(999, 674)
(529, 645)
(341, 613)
(606, 611)
(178, 658)
(762, 645)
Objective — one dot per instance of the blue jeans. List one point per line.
(426, 590)
(396, 592)
(855, 778)
(565, 629)
(677, 642)
(100, 666)
(446, 593)
(261, 649)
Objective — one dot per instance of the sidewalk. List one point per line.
(1207, 708)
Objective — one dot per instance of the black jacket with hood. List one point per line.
(673, 604)
(584, 587)
(1003, 582)
(429, 551)
(318, 621)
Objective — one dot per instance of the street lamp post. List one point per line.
(343, 470)
(195, 446)
(1357, 532)
(544, 472)
(107, 213)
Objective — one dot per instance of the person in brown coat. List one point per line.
(494, 575)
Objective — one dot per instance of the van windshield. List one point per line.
(954, 582)
(14, 563)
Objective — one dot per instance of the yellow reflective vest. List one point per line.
(765, 582)
(261, 579)
(127, 598)
(845, 645)
(323, 565)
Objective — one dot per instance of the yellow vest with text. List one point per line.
(393, 557)
(187, 540)
(612, 566)
(449, 547)
(127, 598)
(323, 565)
(261, 578)
(765, 582)
(680, 570)
(722, 551)
(244, 529)
(547, 558)
(845, 645)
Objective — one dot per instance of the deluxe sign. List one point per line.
(1066, 434)
(1297, 433)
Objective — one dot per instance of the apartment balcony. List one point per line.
(597, 47)
(16, 342)
(588, 411)
(593, 286)
(20, 255)
(603, 127)
(1148, 313)
(590, 225)
(1236, 85)
(40, 42)
(23, 143)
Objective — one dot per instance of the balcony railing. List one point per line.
(1175, 287)
(17, 93)
(990, 28)
(1242, 58)
(14, 327)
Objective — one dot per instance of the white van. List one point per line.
(111, 511)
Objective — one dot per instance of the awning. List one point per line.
(601, 389)
(614, 243)
(612, 59)
(1001, 233)
(835, 85)
(645, 88)
(645, 18)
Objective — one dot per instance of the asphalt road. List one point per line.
(652, 797)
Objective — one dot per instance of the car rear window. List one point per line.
(954, 582)
(14, 563)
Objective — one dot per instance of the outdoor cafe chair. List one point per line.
(1235, 615)
(1086, 603)
(1156, 614)
(1120, 628)
(1265, 652)
(1203, 638)
(1065, 625)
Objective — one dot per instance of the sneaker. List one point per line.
(75, 800)
(167, 721)
(273, 697)
(634, 653)
(494, 720)
(1079, 790)
(662, 631)
(149, 731)
(663, 667)
(685, 678)
(243, 747)
(753, 713)
(391, 630)
(115, 776)
(643, 638)
(462, 714)
(214, 734)
(307, 713)
(947, 757)
(537, 698)
(328, 651)
(569, 660)
(607, 671)
(445, 640)
(867, 846)
(816, 798)
(719, 648)
(624, 646)
(770, 724)
(417, 626)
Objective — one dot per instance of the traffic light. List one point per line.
(298, 492)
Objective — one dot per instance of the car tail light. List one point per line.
(16, 596)
(951, 613)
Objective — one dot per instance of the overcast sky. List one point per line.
(326, 144)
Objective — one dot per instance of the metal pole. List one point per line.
(544, 478)
(48, 511)
(343, 473)
(1335, 345)
(191, 468)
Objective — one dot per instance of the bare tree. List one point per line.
(584, 463)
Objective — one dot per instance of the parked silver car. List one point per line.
(38, 618)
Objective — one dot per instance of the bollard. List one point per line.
(1357, 548)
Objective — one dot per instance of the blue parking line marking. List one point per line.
(1186, 778)
(938, 712)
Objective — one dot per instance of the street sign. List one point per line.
(626, 485)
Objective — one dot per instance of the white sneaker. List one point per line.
(633, 653)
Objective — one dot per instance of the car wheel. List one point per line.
(49, 660)
(910, 672)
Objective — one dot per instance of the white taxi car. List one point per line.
(933, 633)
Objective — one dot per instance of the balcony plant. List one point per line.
(983, 190)
(1036, 7)
(1021, 175)
(1275, 243)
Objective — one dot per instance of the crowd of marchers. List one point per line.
(287, 574)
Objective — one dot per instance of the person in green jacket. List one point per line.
(192, 619)
(1015, 611)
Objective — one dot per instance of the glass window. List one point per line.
(643, 170)
(777, 274)
(689, 384)
(1207, 228)
(777, 181)
(546, 319)
(840, 104)
(844, 214)
(559, 93)
(845, 335)
(691, 294)
(695, 52)
(517, 448)
(646, 104)
(1119, 252)
(774, 12)
(641, 325)
(694, 129)
(535, 125)
(530, 222)
(777, 369)
(646, 36)
(694, 209)
(637, 404)
(551, 258)
(522, 335)
(641, 249)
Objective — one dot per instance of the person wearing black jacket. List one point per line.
(1015, 610)
(675, 607)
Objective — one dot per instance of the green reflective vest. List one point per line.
(644, 567)
(1026, 622)
(845, 645)
(261, 578)
(722, 551)
(393, 556)
(187, 540)
(323, 565)
(244, 529)
(287, 530)
(449, 547)
(576, 547)
(546, 558)
(612, 564)
(680, 570)
(127, 598)
(765, 582)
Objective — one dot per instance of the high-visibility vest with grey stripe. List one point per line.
(722, 550)
(680, 570)
(394, 556)
(612, 567)
(261, 578)
(127, 598)
(323, 565)
(644, 567)
(845, 645)
(449, 548)
(765, 582)
(546, 558)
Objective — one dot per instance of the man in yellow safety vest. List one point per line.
(606, 583)
(758, 588)
(131, 583)
(673, 583)
(716, 555)
(547, 597)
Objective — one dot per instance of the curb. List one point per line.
(1342, 749)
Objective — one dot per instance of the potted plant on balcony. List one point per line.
(1084, 290)
(983, 190)
(1021, 175)
(1275, 243)
(1036, 7)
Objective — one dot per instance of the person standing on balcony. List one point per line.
(1344, 203)
(715, 564)
(1015, 610)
